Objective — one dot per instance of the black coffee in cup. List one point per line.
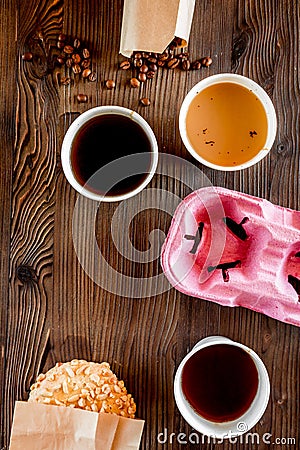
(220, 382)
(97, 147)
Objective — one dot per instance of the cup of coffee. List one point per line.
(227, 122)
(221, 387)
(109, 153)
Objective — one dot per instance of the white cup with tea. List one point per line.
(227, 122)
(109, 153)
(221, 387)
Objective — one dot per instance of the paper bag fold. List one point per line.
(150, 25)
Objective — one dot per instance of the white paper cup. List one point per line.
(260, 94)
(71, 133)
(234, 427)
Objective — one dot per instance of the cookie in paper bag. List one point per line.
(85, 385)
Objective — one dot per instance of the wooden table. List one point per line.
(51, 310)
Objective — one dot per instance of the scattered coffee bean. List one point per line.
(145, 101)
(86, 73)
(76, 43)
(86, 63)
(145, 55)
(60, 44)
(110, 84)
(134, 82)
(68, 49)
(85, 53)
(206, 62)
(153, 67)
(62, 37)
(82, 98)
(138, 56)
(172, 63)
(27, 56)
(93, 76)
(144, 68)
(185, 64)
(142, 77)
(163, 56)
(196, 65)
(125, 65)
(76, 58)
(76, 68)
(65, 81)
(153, 60)
(138, 63)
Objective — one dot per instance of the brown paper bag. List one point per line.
(150, 25)
(46, 427)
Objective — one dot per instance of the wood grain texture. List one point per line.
(51, 310)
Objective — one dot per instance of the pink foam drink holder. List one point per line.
(236, 250)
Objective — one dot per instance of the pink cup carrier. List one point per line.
(236, 250)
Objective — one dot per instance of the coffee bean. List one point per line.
(185, 64)
(27, 56)
(163, 56)
(60, 60)
(137, 56)
(82, 98)
(145, 101)
(93, 76)
(172, 63)
(142, 77)
(153, 60)
(62, 37)
(76, 68)
(65, 81)
(153, 67)
(150, 74)
(110, 84)
(76, 43)
(144, 68)
(60, 44)
(76, 58)
(85, 53)
(125, 65)
(134, 82)
(69, 62)
(196, 65)
(86, 63)
(68, 49)
(145, 55)
(161, 63)
(206, 62)
(86, 73)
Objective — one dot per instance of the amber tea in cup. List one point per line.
(227, 122)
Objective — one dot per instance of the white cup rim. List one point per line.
(242, 81)
(76, 126)
(231, 428)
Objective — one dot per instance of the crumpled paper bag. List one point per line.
(150, 25)
(46, 427)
